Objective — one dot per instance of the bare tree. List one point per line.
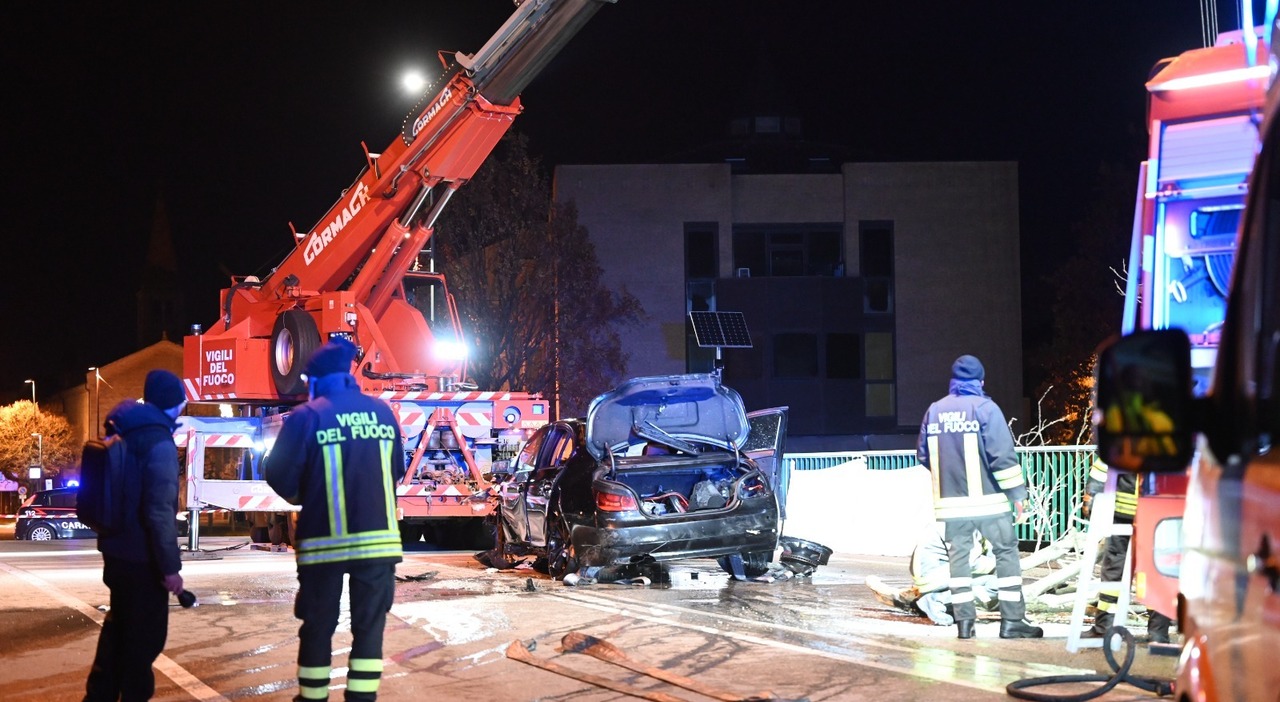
(529, 286)
(1088, 305)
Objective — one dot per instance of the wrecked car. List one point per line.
(662, 468)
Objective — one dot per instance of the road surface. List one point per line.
(822, 637)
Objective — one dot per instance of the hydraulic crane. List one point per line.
(358, 273)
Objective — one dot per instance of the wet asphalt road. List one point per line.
(822, 637)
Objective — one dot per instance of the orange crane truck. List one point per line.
(364, 272)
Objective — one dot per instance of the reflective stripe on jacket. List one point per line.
(1126, 489)
(340, 456)
(967, 445)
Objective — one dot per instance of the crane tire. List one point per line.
(293, 339)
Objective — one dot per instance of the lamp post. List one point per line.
(36, 472)
(97, 401)
(33, 389)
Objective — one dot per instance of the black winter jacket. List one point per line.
(150, 535)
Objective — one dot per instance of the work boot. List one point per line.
(1158, 628)
(1101, 623)
(1019, 629)
(964, 629)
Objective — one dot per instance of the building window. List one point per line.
(700, 296)
(880, 400)
(880, 375)
(701, 250)
(879, 356)
(875, 249)
(795, 355)
(777, 250)
(844, 356)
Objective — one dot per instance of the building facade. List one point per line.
(858, 287)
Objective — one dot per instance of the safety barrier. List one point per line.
(1056, 478)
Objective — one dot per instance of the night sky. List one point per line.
(242, 117)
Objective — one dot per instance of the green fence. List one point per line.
(1056, 477)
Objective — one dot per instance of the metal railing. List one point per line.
(1055, 475)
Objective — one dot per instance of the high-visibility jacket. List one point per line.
(1126, 490)
(340, 456)
(969, 448)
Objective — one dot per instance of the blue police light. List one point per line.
(73, 483)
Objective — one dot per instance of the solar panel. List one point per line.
(720, 330)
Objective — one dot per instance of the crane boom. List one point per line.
(347, 274)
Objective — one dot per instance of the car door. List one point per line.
(553, 455)
(512, 507)
(766, 442)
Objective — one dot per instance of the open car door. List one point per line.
(766, 442)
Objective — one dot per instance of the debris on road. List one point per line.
(517, 651)
(429, 575)
(578, 642)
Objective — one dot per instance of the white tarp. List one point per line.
(850, 509)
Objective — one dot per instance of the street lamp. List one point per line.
(97, 399)
(33, 389)
(36, 472)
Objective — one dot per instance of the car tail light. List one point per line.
(614, 502)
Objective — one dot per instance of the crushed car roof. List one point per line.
(667, 409)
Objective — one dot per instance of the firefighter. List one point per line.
(930, 578)
(977, 483)
(339, 456)
(1115, 549)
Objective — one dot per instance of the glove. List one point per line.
(1087, 508)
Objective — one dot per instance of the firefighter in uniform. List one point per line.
(339, 457)
(1115, 549)
(977, 482)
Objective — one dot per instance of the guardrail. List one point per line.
(1056, 478)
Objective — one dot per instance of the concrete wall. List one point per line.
(636, 216)
(956, 260)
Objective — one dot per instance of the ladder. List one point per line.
(1102, 525)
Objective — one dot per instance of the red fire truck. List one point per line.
(1204, 108)
(364, 272)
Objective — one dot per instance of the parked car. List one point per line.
(663, 467)
(51, 514)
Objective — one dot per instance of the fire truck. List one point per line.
(1204, 110)
(1213, 444)
(365, 272)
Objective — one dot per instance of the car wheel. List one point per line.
(753, 564)
(560, 556)
(756, 564)
(42, 532)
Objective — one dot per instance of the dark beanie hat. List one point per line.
(163, 389)
(334, 357)
(968, 368)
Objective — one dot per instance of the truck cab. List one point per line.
(1153, 419)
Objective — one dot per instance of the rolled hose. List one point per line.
(1160, 687)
